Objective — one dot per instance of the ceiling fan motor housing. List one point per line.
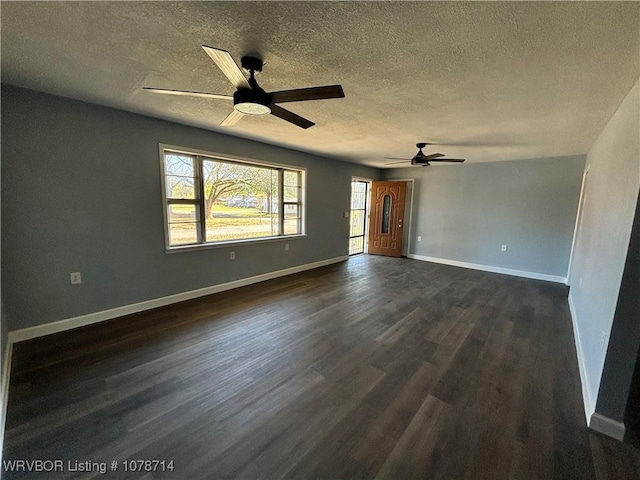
(251, 63)
(420, 161)
(247, 95)
(251, 102)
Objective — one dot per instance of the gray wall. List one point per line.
(602, 242)
(81, 192)
(466, 212)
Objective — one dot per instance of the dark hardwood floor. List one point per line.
(373, 368)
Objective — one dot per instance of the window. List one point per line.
(211, 200)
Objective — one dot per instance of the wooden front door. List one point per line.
(387, 218)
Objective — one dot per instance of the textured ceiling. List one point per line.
(485, 81)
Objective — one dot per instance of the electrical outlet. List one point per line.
(419, 238)
(603, 340)
(286, 246)
(504, 248)
(75, 278)
(232, 256)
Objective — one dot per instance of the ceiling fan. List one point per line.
(424, 160)
(249, 98)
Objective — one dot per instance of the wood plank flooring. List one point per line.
(376, 368)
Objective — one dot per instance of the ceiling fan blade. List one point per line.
(232, 118)
(168, 91)
(396, 163)
(458, 160)
(291, 117)
(313, 93)
(433, 155)
(229, 67)
(397, 158)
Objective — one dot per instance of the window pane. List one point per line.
(183, 224)
(177, 164)
(240, 201)
(291, 186)
(291, 179)
(183, 233)
(291, 219)
(237, 227)
(357, 223)
(222, 181)
(180, 187)
(291, 226)
(356, 245)
(291, 194)
(291, 211)
(358, 195)
(181, 213)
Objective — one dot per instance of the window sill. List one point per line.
(232, 243)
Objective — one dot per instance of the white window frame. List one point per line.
(198, 201)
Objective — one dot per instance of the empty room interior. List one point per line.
(320, 240)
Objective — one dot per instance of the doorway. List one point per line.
(360, 190)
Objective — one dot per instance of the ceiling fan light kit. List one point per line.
(250, 102)
(249, 98)
(250, 107)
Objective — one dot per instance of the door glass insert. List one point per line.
(386, 213)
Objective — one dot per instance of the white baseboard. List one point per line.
(81, 321)
(4, 392)
(589, 406)
(489, 268)
(607, 426)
